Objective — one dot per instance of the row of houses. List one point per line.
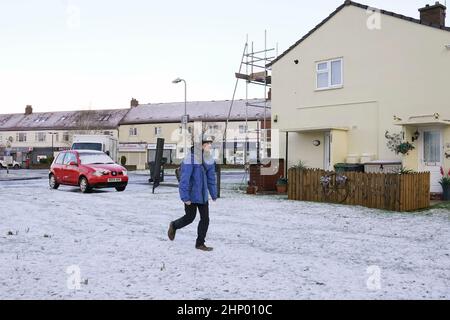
(36, 135)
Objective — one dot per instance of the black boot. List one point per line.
(204, 248)
(172, 231)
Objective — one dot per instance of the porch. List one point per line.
(430, 135)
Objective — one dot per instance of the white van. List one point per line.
(104, 143)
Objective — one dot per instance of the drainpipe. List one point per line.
(287, 154)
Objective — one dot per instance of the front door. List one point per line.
(327, 151)
(431, 155)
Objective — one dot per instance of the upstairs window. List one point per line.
(329, 74)
(40, 136)
(66, 137)
(242, 128)
(158, 131)
(133, 132)
(21, 137)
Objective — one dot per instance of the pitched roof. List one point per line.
(198, 110)
(67, 120)
(362, 6)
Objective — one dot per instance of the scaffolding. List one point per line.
(256, 74)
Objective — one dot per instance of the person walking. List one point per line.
(198, 177)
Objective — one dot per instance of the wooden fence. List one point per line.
(395, 192)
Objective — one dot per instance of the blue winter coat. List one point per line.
(197, 178)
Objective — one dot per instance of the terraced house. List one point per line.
(360, 73)
(145, 123)
(35, 135)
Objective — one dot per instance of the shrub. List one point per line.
(404, 170)
(301, 165)
(445, 180)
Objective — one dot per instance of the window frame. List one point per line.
(23, 135)
(61, 156)
(66, 137)
(133, 132)
(43, 134)
(328, 70)
(68, 157)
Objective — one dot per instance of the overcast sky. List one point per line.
(81, 54)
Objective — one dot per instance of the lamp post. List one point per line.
(185, 117)
(53, 149)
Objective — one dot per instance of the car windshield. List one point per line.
(87, 146)
(95, 158)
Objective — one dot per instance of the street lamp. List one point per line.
(53, 149)
(185, 117)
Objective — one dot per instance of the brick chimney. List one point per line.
(28, 110)
(434, 14)
(134, 103)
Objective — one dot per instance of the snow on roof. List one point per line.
(197, 110)
(66, 120)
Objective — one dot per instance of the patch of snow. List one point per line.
(265, 247)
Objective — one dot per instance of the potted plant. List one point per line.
(404, 148)
(445, 183)
(282, 185)
(396, 143)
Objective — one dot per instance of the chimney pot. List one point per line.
(134, 103)
(434, 14)
(28, 110)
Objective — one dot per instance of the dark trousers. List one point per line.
(189, 217)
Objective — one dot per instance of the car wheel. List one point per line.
(120, 189)
(84, 185)
(52, 182)
(16, 167)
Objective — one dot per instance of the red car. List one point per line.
(88, 170)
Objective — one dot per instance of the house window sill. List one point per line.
(328, 89)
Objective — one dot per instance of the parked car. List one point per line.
(14, 164)
(88, 170)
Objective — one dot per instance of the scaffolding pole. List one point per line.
(254, 60)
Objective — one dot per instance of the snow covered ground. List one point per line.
(265, 247)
